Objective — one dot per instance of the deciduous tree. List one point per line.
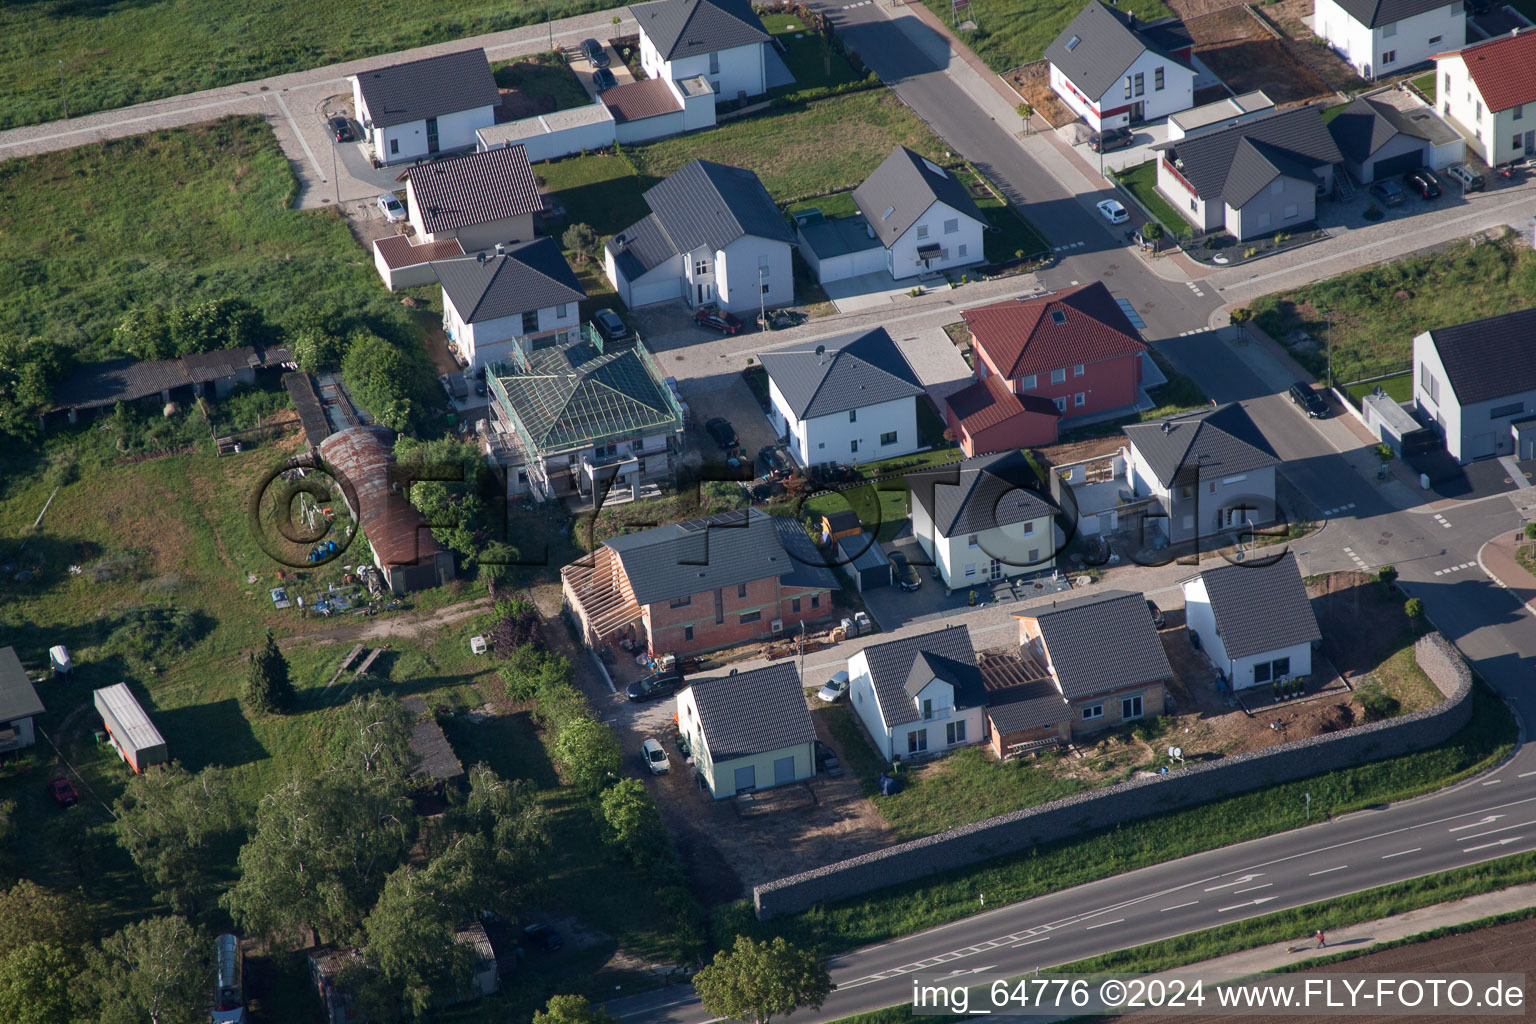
(36, 984)
(581, 240)
(630, 818)
(588, 752)
(156, 970)
(411, 936)
(572, 1010)
(756, 981)
(30, 913)
(168, 820)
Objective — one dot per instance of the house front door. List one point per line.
(431, 135)
(706, 292)
(1138, 112)
(995, 571)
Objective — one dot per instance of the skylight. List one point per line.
(935, 168)
(887, 214)
(1072, 43)
(1058, 316)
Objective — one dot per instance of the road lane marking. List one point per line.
(1493, 782)
(1030, 942)
(1495, 831)
(1489, 846)
(1487, 820)
(1401, 853)
(1252, 888)
(1180, 906)
(1106, 924)
(1526, 775)
(1251, 903)
(1325, 871)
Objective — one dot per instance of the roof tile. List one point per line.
(430, 87)
(475, 188)
(752, 712)
(1022, 336)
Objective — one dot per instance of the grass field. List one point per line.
(172, 217)
(886, 504)
(1013, 32)
(114, 54)
(1141, 182)
(1399, 387)
(808, 60)
(542, 79)
(1376, 312)
(1425, 83)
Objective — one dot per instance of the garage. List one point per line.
(1380, 140)
(861, 557)
(646, 293)
(1397, 166)
(838, 248)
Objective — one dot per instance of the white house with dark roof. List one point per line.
(714, 235)
(984, 519)
(501, 306)
(1477, 382)
(1488, 91)
(1114, 71)
(1102, 652)
(1254, 178)
(19, 704)
(1380, 38)
(923, 215)
(427, 106)
(721, 40)
(1210, 471)
(919, 695)
(748, 731)
(1378, 140)
(852, 398)
(1254, 620)
(479, 199)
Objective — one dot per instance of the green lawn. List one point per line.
(545, 79)
(179, 216)
(1399, 388)
(883, 502)
(811, 62)
(117, 54)
(1013, 32)
(1329, 113)
(1376, 312)
(1141, 182)
(1425, 83)
(599, 189)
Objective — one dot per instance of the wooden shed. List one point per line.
(137, 740)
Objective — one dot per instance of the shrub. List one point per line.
(1386, 574)
(1414, 608)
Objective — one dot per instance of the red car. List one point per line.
(62, 792)
(717, 320)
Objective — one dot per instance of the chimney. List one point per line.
(821, 354)
(501, 249)
(1167, 426)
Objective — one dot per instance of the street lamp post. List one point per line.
(762, 299)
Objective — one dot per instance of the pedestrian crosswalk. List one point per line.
(1069, 245)
(1441, 520)
(861, 3)
(1359, 562)
(1195, 288)
(1336, 511)
(1454, 568)
(1197, 330)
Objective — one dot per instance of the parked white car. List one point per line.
(835, 688)
(1113, 211)
(391, 208)
(655, 758)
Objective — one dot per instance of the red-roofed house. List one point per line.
(1488, 92)
(986, 417)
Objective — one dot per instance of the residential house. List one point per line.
(1378, 140)
(923, 215)
(1211, 471)
(984, 519)
(478, 198)
(1477, 383)
(1025, 710)
(1254, 620)
(1380, 38)
(522, 298)
(1113, 70)
(433, 105)
(851, 398)
(403, 548)
(1488, 91)
(1103, 654)
(1076, 348)
(1257, 177)
(19, 704)
(748, 731)
(919, 695)
(986, 416)
(1222, 114)
(722, 40)
(585, 417)
(713, 235)
(700, 585)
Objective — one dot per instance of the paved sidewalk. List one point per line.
(1497, 558)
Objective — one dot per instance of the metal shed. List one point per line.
(137, 740)
(865, 560)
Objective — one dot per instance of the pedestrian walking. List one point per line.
(1320, 941)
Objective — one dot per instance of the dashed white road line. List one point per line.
(1336, 511)
(1401, 853)
(1105, 924)
(1178, 906)
(1325, 871)
(1454, 568)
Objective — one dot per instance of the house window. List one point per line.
(1477, 111)
(970, 541)
(1262, 221)
(1079, 370)
(1093, 711)
(952, 225)
(960, 250)
(1388, 31)
(1194, 206)
(970, 570)
(1261, 672)
(1447, 83)
(1187, 491)
(1433, 40)
(687, 632)
(700, 267)
(1079, 400)
(394, 147)
(1515, 140)
(1513, 409)
(794, 605)
(1061, 404)
(922, 231)
(955, 732)
(562, 310)
(1141, 83)
(927, 710)
(1127, 86)
(1059, 376)
(815, 600)
(1029, 528)
(1519, 112)
(530, 321)
(889, 437)
(1130, 707)
(765, 289)
(1072, 43)
(1157, 80)
(1034, 555)
(680, 602)
(741, 590)
(821, 444)
(917, 741)
(853, 446)
(853, 415)
(1388, 57)
(1028, 383)
(751, 617)
(714, 63)
(719, 607)
(1291, 210)
(1280, 667)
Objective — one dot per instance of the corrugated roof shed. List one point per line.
(438, 760)
(365, 457)
(635, 101)
(475, 188)
(301, 391)
(430, 87)
(753, 712)
(400, 251)
(126, 380)
(127, 719)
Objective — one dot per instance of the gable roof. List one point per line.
(1489, 358)
(18, 698)
(752, 712)
(1374, 13)
(1030, 705)
(1106, 45)
(475, 188)
(1220, 442)
(701, 204)
(529, 276)
(683, 559)
(1233, 164)
(574, 395)
(1503, 69)
(854, 371)
(686, 28)
(946, 653)
(1365, 126)
(902, 189)
(986, 403)
(1100, 643)
(430, 87)
(980, 493)
(1048, 332)
(1260, 608)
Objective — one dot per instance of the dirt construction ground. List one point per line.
(1244, 55)
(1500, 949)
(1033, 82)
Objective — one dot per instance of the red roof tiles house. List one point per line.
(1503, 68)
(986, 417)
(1034, 336)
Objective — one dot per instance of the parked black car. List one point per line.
(662, 684)
(603, 80)
(1106, 142)
(907, 577)
(341, 129)
(542, 938)
(594, 52)
(609, 325)
(1306, 396)
(1158, 622)
(722, 431)
(1423, 182)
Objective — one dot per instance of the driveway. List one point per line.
(869, 291)
(938, 362)
(1139, 152)
(733, 401)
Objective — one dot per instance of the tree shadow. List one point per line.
(200, 735)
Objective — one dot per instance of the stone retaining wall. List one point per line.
(1138, 798)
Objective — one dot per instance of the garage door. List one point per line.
(1393, 166)
(783, 770)
(870, 261)
(837, 268)
(746, 778)
(1478, 446)
(655, 291)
